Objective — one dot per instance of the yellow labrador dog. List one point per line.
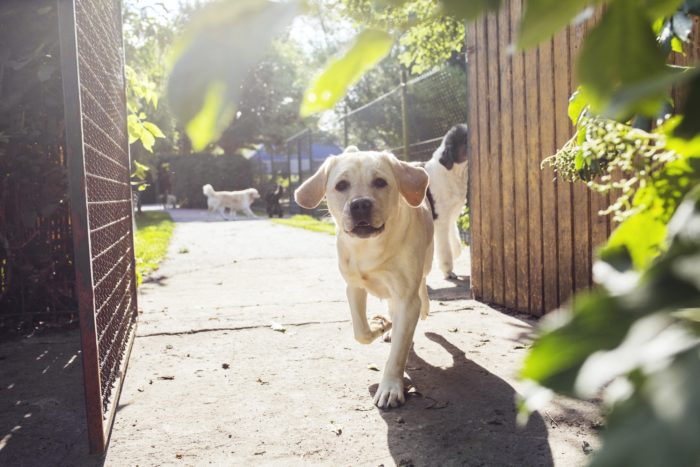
(385, 247)
(218, 201)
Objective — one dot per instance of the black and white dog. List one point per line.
(448, 189)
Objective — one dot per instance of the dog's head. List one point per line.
(253, 194)
(364, 190)
(207, 189)
(454, 146)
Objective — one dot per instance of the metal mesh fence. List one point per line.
(413, 116)
(108, 192)
(409, 120)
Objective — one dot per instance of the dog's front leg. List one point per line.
(364, 332)
(405, 316)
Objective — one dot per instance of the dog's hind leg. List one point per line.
(365, 332)
(455, 241)
(444, 248)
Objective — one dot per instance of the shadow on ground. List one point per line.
(42, 412)
(202, 215)
(461, 415)
(450, 289)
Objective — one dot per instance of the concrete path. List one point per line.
(211, 382)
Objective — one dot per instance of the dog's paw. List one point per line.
(389, 393)
(451, 275)
(379, 325)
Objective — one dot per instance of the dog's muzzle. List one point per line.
(361, 214)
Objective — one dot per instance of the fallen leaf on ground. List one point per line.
(262, 382)
(453, 330)
(372, 367)
(167, 378)
(277, 327)
(225, 366)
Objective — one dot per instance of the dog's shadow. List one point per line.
(461, 415)
(451, 289)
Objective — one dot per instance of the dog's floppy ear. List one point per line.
(413, 181)
(454, 146)
(312, 191)
(447, 158)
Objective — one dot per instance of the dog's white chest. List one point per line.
(360, 275)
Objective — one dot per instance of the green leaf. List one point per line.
(659, 423)
(597, 323)
(223, 42)
(676, 45)
(212, 119)
(147, 140)
(153, 128)
(577, 105)
(624, 101)
(544, 18)
(656, 9)
(340, 73)
(622, 51)
(643, 234)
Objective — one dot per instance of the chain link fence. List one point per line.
(408, 119)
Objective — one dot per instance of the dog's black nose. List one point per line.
(360, 207)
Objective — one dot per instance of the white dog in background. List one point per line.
(385, 247)
(218, 201)
(448, 188)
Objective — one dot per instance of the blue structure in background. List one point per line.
(289, 163)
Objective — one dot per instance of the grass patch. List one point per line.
(308, 223)
(153, 232)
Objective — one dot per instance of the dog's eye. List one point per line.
(379, 183)
(342, 185)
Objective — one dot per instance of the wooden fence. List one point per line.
(533, 236)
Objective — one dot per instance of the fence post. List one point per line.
(404, 114)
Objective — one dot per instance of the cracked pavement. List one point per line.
(211, 382)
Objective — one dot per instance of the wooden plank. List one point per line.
(564, 198)
(600, 224)
(534, 174)
(474, 193)
(582, 216)
(510, 282)
(484, 163)
(520, 168)
(547, 117)
(495, 142)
